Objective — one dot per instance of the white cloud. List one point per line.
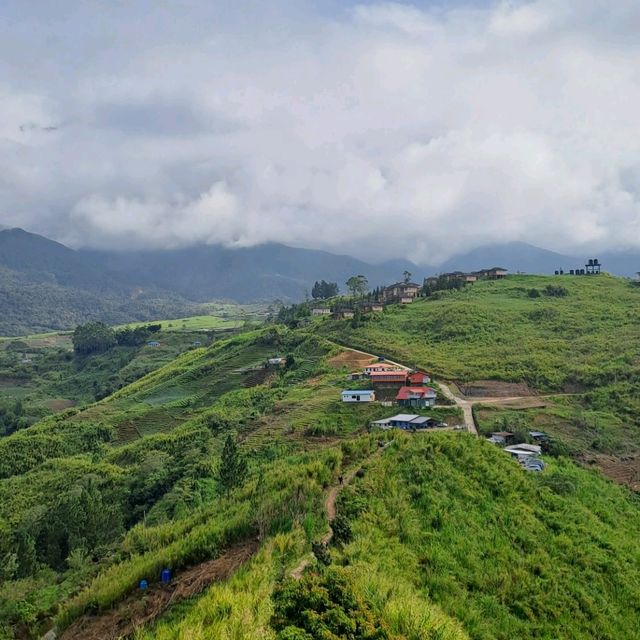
(384, 130)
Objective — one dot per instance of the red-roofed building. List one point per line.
(389, 376)
(416, 397)
(417, 378)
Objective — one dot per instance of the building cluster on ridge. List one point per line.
(405, 293)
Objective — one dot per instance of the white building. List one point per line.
(358, 395)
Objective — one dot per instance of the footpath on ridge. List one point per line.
(330, 509)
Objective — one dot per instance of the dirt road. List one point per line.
(465, 405)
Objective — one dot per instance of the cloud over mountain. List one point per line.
(374, 129)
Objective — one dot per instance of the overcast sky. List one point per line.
(377, 129)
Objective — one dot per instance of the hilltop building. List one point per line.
(402, 292)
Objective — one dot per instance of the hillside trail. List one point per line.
(143, 607)
(330, 508)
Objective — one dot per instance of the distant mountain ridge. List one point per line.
(46, 285)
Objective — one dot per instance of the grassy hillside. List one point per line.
(43, 375)
(584, 343)
(438, 535)
(508, 554)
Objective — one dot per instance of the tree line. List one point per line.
(97, 337)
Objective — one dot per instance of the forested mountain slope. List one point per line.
(46, 286)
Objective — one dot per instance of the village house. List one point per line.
(500, 437)
(358, 395)
(343, 314)
(495, 273)
(153, 343)
(539, 436)
(523, 450)
(356, 375)
(406, 421)
(372, 307)
(400, 292)
(320, 311)
(418, 378)
(390, 376)
(381, 366)
(276, 362)
(419, 397)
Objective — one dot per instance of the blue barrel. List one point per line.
(165, 576)
(143, 584)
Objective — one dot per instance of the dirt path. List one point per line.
(465, 405)
(141, 608)
(330, 509)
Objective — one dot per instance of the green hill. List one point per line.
(437, 535)
(584, 342)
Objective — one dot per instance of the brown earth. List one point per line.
(625, 470)
(493, 389)
(60, 404)
(353, 360)
(141, 608)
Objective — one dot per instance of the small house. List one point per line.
(320, 311)
(356, 375)
(416, 397)
(153, 343)
(343, 314)
(501, 437)
(523, 450)
(276, 362)
(406, 421)
(539, 436)
(390, 376)
(196, 343)
(418, 378)
(358, 395)
(372, 307)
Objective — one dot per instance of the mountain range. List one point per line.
(45, 285)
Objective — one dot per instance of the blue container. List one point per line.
(165, 576)
(143, 584)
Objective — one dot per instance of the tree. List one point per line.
(322, 290)
(406, 276)
(93, 337)
(233, 467)
(357, 285)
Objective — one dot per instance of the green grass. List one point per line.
(507, 553)
(191, 323)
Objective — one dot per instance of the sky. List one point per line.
(378, 129)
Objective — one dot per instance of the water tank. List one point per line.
(591, 262)
(571, 272)
(595, 261)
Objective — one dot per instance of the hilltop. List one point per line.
(438, 534)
